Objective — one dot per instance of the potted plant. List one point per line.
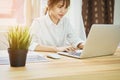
(19, 40)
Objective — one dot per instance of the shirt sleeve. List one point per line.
(33, 31)
(72, 37)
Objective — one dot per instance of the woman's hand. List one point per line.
(81, 45)
(68, 49)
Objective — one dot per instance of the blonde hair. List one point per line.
(52, 3)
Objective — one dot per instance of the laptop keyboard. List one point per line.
(75, 53)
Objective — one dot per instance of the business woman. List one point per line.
(53, 32)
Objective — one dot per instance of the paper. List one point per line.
(32, 57)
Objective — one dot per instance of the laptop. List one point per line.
(103, 39)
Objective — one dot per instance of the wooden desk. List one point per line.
(66, 68)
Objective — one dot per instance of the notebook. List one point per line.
(103, 39)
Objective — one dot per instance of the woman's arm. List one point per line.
(53, 49)
(45, 48)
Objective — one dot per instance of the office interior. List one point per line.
(23, 12)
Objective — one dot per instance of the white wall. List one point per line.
(75, 16)
(117, 12)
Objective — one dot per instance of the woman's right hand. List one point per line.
(67, 48)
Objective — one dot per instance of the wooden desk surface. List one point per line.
(66, 68)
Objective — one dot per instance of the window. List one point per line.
(6, 8)
(11, 12)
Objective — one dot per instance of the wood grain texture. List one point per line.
(66, 68)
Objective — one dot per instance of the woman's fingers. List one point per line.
(70, 49)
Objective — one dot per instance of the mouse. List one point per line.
(54, 56)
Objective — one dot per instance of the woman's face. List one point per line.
(58, 10)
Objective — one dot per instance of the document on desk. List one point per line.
(35, 57)
(32, 57)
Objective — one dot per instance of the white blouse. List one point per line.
(45, 32)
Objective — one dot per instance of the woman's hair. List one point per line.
(52, 3)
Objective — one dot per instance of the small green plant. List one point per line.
(19, 37)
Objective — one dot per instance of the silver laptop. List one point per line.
(103, 39)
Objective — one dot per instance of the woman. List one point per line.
(53, 32)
